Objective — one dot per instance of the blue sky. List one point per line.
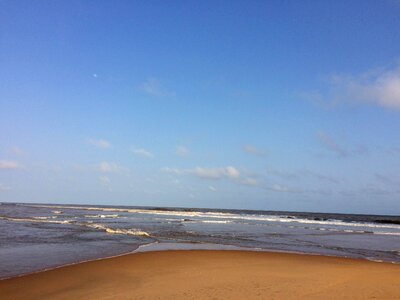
(288, 105)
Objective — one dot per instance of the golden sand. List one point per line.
(198, 274)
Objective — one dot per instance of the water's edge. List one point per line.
(161, 247)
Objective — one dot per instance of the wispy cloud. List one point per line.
(249, 181)
(253, 150)
(109, 167)
(378, 87)
(153, 87)
(215, 173)
(282, 189)
(142, 152)
(9, 165)
(4, 187)
(301, 174)
(211, 188)
(105, 180)
(100, 143)
(333, 146)
(388, 179)
(172, 170)
(181, 151)
(207, 173)
(17, 151)
(330, 144)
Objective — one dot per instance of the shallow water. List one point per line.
(34, 237)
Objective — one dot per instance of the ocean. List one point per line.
(35, 237)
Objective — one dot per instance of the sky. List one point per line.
(275, 105)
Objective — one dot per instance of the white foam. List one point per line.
(386, 233)
(45, 217)
(216, 222)
(102, 216)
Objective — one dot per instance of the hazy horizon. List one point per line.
(291, 106)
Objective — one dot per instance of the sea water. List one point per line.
(35, 237)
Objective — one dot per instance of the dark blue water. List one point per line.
(34, 237)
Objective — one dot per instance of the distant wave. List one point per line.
(37, 219)
(223, 215)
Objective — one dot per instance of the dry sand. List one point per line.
(200, 274)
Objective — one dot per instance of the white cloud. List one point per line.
(100, 143)
(253, 150)
(229, 173)
(181, 151)
(153, 87)
(380, 87)
(232, 172)
(109, 167)
(143, 152)
(9, 165)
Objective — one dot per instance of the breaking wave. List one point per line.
(117, 230)
(135, 232)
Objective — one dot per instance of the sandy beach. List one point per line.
(198, 274)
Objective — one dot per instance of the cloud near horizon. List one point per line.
(230, 173)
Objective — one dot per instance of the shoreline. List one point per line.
(204, 274)
(162, 247)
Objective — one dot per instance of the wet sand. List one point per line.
(200, 274)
